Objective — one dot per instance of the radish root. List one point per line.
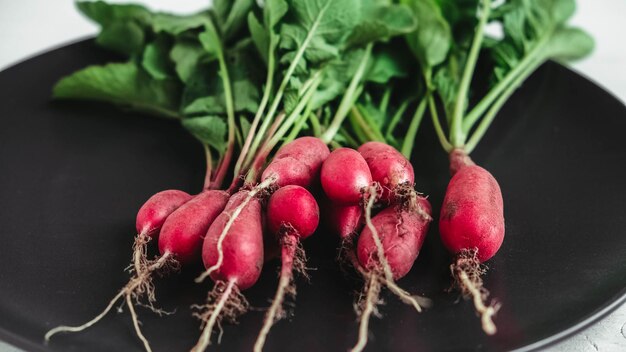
(261, 187)
(467, 272)
(416, 301)
(293, 260)
(225, 301)
(366, 307)
(139, 285)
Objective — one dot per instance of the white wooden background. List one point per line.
(30, 27)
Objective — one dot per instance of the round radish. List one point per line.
(157, 208)
(389, 168)
(345, 176)
(292, 215)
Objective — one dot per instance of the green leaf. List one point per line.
(387, 63)
(273, 12)
(185, 54)
(431, 41)
(567, 44)
(123, 37)
(380, 22)
(210, 130)
(106, 14)
(259, 36)
(230, 15)
(122, 84)
(176, 24)
(211, 41)
(156, 60)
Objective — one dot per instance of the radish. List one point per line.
(242, 260)
(386, 250)
(292, 215)
(179, 242)
(345, 176)
(308, 154)
(472, 227)
(390, 169)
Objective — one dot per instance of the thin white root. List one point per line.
(139, 285)
(467, 272)
(418, 302)
(140, 249)
(235, 214)
(136, 323)
(293, 259)
(365, 309)
(64, 328)
(230, 304)
(380, 250)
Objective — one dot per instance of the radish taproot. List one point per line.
(386, 250)
(241, 256)
(472, 228)
(292, 215)
(182, 229)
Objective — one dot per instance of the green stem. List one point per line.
(355, 114)
(457, 137)
(230, 112)
(315, 125)
(348, 98)
(269, 81)
(283, 84)
(497, 105)
(435, 117)
(474, 115)
(384, 102)
(371, 123)
(396, 119)
(349, 139)
(409, 139)
(299, 123)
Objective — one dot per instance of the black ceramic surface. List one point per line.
(72, 176)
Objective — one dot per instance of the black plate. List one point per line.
(73, 175)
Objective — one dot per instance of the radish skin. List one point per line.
(345, 176)
(292, 215)
(472, 228)
(389, 168)
(242, 261)
(298, 162)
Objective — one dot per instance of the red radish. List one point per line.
(298, 162)
(242, 261)
(345, 176)
(196, 215)
(344, 220)
(386, 250)
(292, 215)
(389, 168)
(472, 227)
(310, 153)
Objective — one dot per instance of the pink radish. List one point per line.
(389, 168)
(386, 250)
(471, 226)
(292, 215)
(297, 163)
(176, 243)
(344, 220)
(345, 176)
(241, 256)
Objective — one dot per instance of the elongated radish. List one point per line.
(345, 176)
(310, 153)
(298, 163)
(242, 261)
(292, 215)
(344, 220)
(472, 228)
(183, 226)
(400, 233)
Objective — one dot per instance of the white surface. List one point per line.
(29, 27)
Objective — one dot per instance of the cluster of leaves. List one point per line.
(255, 76)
